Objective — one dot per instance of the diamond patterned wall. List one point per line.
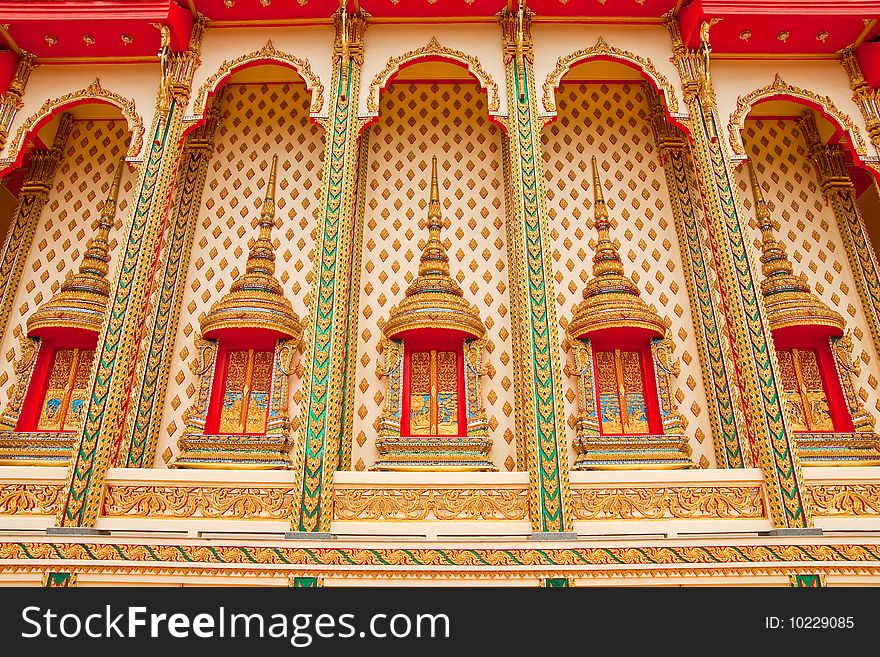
(808, 228)
(611, 121)
(257, 122)
(415, 122)
(82, 182)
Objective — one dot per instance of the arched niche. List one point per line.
(432, 105)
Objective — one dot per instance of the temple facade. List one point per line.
(371, 292)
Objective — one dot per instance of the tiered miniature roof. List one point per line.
(256, 299)
(787, 298)
(611, 299)
(83, 298)
(434, 299)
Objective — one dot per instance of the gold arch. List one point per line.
(268, 53)
(93, 92)
(780, 87)
(380, 81)
(602, 49)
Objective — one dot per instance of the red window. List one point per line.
(244, 379)
(811, 384)
(433, 387)
(64, 396)
(626, 392)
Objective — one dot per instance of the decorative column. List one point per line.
(138, 449)
(10, 101)
(710, 328)
(122, 328)
(321, 443)
(864, 95)
(532, 292)
(33, 196)
(835, 183)
(772, 440)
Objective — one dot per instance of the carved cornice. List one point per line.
(603, 50)
(268, 53)
(654, 503)
(227, 502)
(417, 503)
(780, 87)
(433, 49)
(31, 499)
(858, 499)
(94, 92)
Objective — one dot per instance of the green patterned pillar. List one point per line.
(710, 329)
(771, 439)
(804, 581)
(304, 582)
(321, 441)
(538, 364)
(59, 580)
(23, 226)
(120, 337)
(151, 382)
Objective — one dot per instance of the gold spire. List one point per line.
(787, 298)
(611, 299)
(434, 260)
(256, 299)
(434, 299)
(82, 299)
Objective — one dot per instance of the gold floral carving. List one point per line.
(36, 499)
(93, 92)
(603, 49)
(663, 502)
(240, 503)
(780, 87)
(431, 503)
(850, 499)
(267, 53)
(380, 81)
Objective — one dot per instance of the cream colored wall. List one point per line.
(610, 121)
(733, 79)
(82, 182)
(807, 227)
(258, 121)
(137, 82)
(383, 42)
(652, 42)
(313, 44)
(416, 122)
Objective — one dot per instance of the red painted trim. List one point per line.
(439, 340)
(32, 135)
(868, 55)
(52, 340)
(8, 65)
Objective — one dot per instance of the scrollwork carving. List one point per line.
(780, 87)
(93, 92)
(433, 49)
